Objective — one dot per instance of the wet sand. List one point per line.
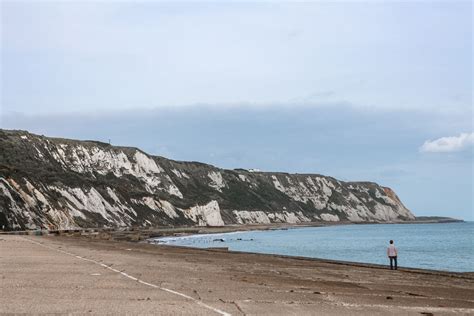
(74, 275)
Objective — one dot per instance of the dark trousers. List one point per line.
(392, 261)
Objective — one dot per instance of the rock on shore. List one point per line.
(57, 183)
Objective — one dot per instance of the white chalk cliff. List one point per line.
(63, 184)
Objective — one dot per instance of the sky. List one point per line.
(373, 91)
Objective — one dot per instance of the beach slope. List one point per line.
(75, 275)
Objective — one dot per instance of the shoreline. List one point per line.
(147, 235)
(224, 228)
(210, 230)
(466, 274)
(327, 260)
(107, 276)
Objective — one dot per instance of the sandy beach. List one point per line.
(72, 275)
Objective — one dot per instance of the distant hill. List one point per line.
(61, 184)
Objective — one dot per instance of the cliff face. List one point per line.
(62, 184)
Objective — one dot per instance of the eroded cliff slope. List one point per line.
(61, 184)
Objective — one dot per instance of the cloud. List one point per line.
(448, 144)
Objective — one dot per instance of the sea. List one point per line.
(440, 246)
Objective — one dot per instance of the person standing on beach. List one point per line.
(392, 255)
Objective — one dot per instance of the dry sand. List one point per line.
(78, 275)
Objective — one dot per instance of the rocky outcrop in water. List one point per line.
(62, 184)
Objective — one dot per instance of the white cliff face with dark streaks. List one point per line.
(205, 215)
(259, 217)
(217, 182)
(318, 190)
(61, 184)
